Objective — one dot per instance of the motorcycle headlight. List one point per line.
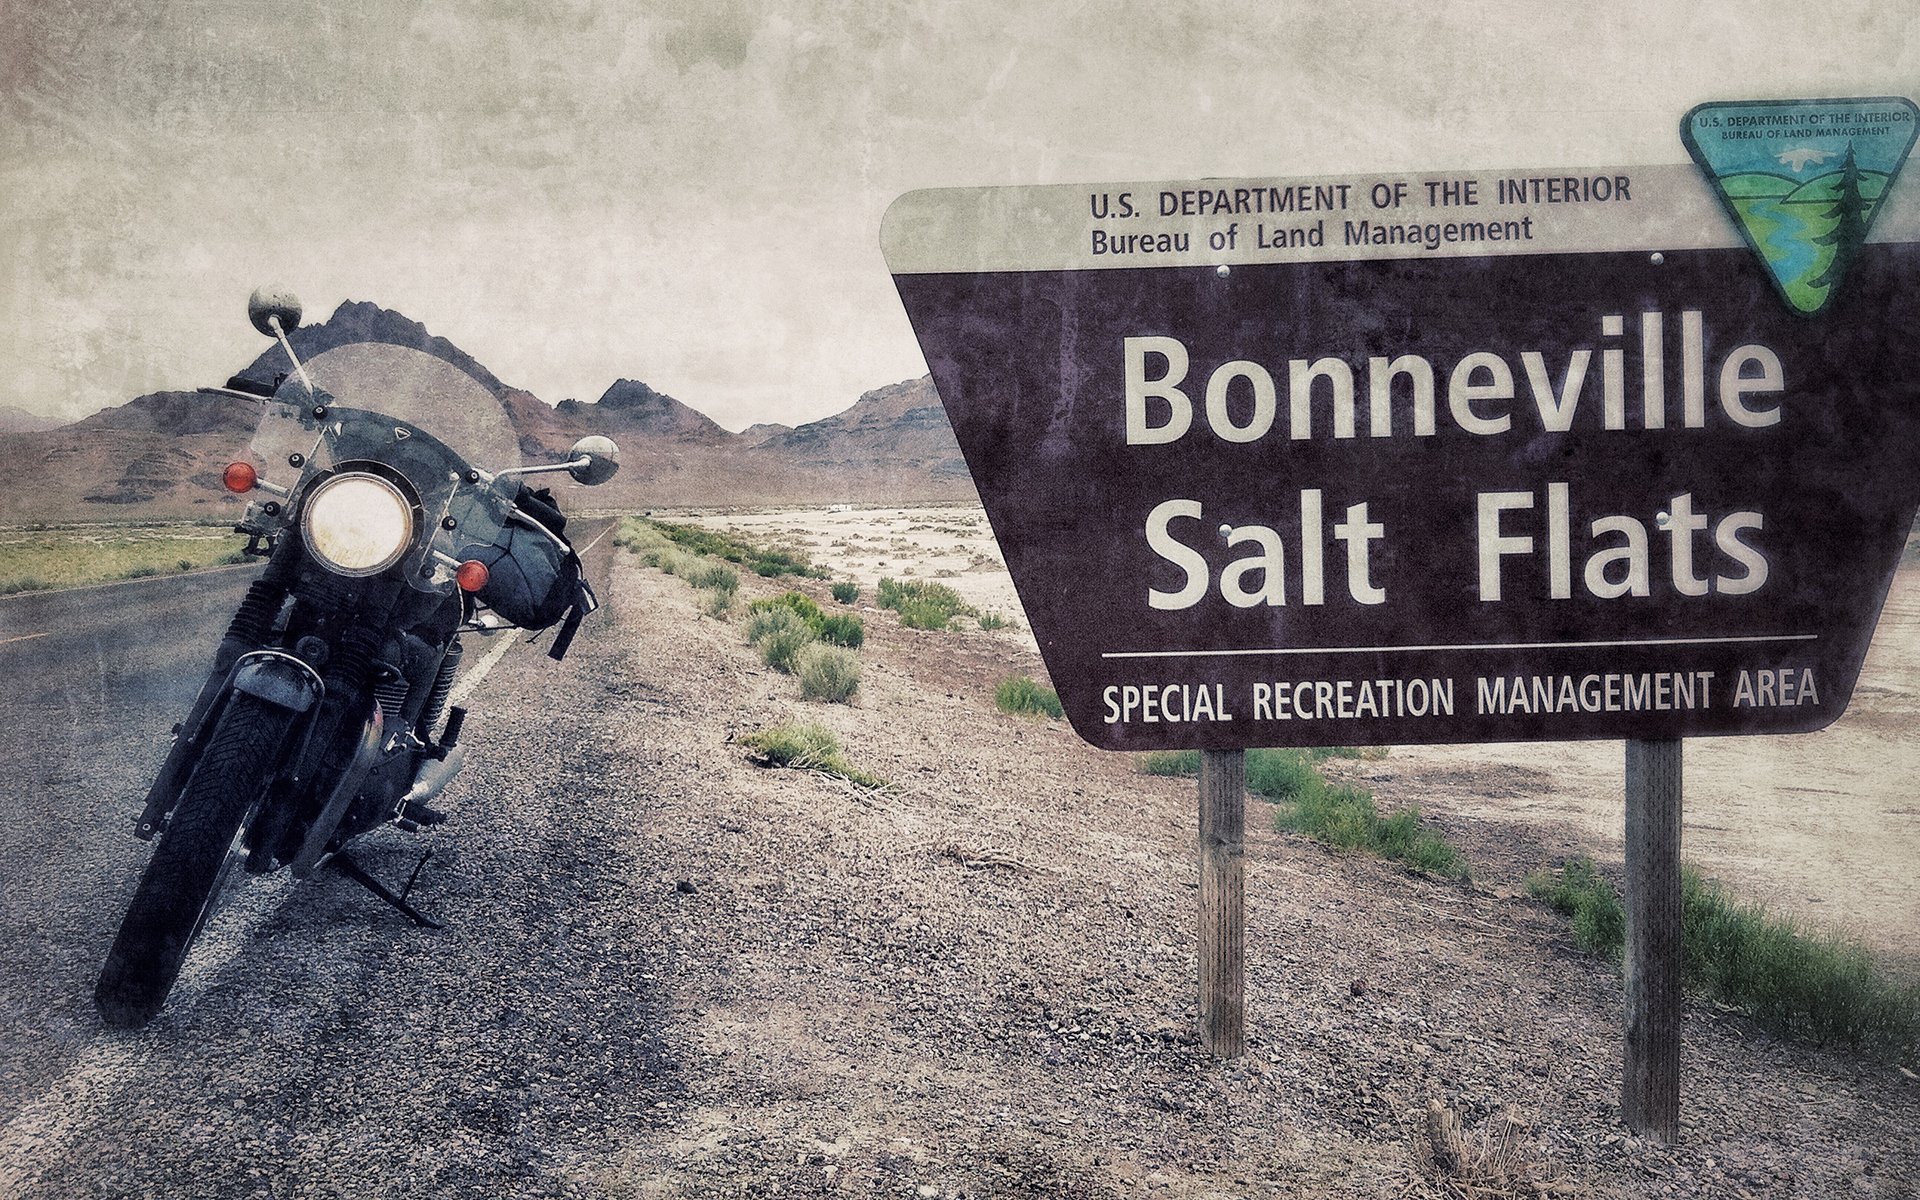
(357, 524)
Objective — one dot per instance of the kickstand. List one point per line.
(354, 871)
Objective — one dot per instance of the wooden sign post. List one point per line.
(1223, 846)
(1650, 1079)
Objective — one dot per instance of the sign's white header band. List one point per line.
(1216, 222)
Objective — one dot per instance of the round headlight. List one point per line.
(357, 524)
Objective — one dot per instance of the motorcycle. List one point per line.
(327, 713)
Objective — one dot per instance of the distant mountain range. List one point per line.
(161, 454)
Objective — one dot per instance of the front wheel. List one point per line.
(187, 868)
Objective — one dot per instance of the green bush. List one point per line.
(924, 614)
(718, 602)
(798, 603)
(765, 623)
(922, 604)
(806, 747)
(830, 673)
(1022, 695)
(841, 629)
(781, 648)
(993, 620)
(845, 593)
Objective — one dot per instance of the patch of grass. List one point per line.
(713, 576)
(830, 673)
(1179, 764)
(671, 560)
(1022, 695)
(1347, 817)
(1270, 773)
(1790, 980)
(923, 604)
(762, 561)
(718, 603)
(1338, 815)
(844, 592)
(807, 747)
(994, 620)
(36, 559)
(1577, 891)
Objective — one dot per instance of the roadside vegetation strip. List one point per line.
(1791, 980)
(716, 581)
(1337, 815)
(34, 560)
(807, 747)
(769, 563)
(1022, 695)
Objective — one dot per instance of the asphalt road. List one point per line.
(312, 1026)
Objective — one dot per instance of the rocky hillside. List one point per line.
(160, 455)
(14, 419)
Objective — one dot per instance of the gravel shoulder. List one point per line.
(670, 972)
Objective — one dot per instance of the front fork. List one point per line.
(252, 624)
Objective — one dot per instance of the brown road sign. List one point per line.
(1491, 456)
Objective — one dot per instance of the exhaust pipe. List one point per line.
(434, 777)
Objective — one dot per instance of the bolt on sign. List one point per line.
(1465, 456)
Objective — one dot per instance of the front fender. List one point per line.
(280, 679)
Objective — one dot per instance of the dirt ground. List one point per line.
(1823, 827)
(981, 982)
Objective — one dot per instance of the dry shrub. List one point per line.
(1500, 1162)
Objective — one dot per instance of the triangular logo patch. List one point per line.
(1803, 180)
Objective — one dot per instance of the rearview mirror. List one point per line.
(603, 460)
(267, 303)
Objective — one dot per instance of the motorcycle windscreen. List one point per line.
(416, 415)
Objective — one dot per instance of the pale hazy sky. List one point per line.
(691, 193)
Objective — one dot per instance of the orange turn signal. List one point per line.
(240, 477)
(472, 575)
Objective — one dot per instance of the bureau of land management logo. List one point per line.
(1803, 180)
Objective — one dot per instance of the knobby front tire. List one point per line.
(185, 873)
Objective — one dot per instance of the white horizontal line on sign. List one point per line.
(1278, 650)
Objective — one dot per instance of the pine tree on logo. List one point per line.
(1849, 212)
